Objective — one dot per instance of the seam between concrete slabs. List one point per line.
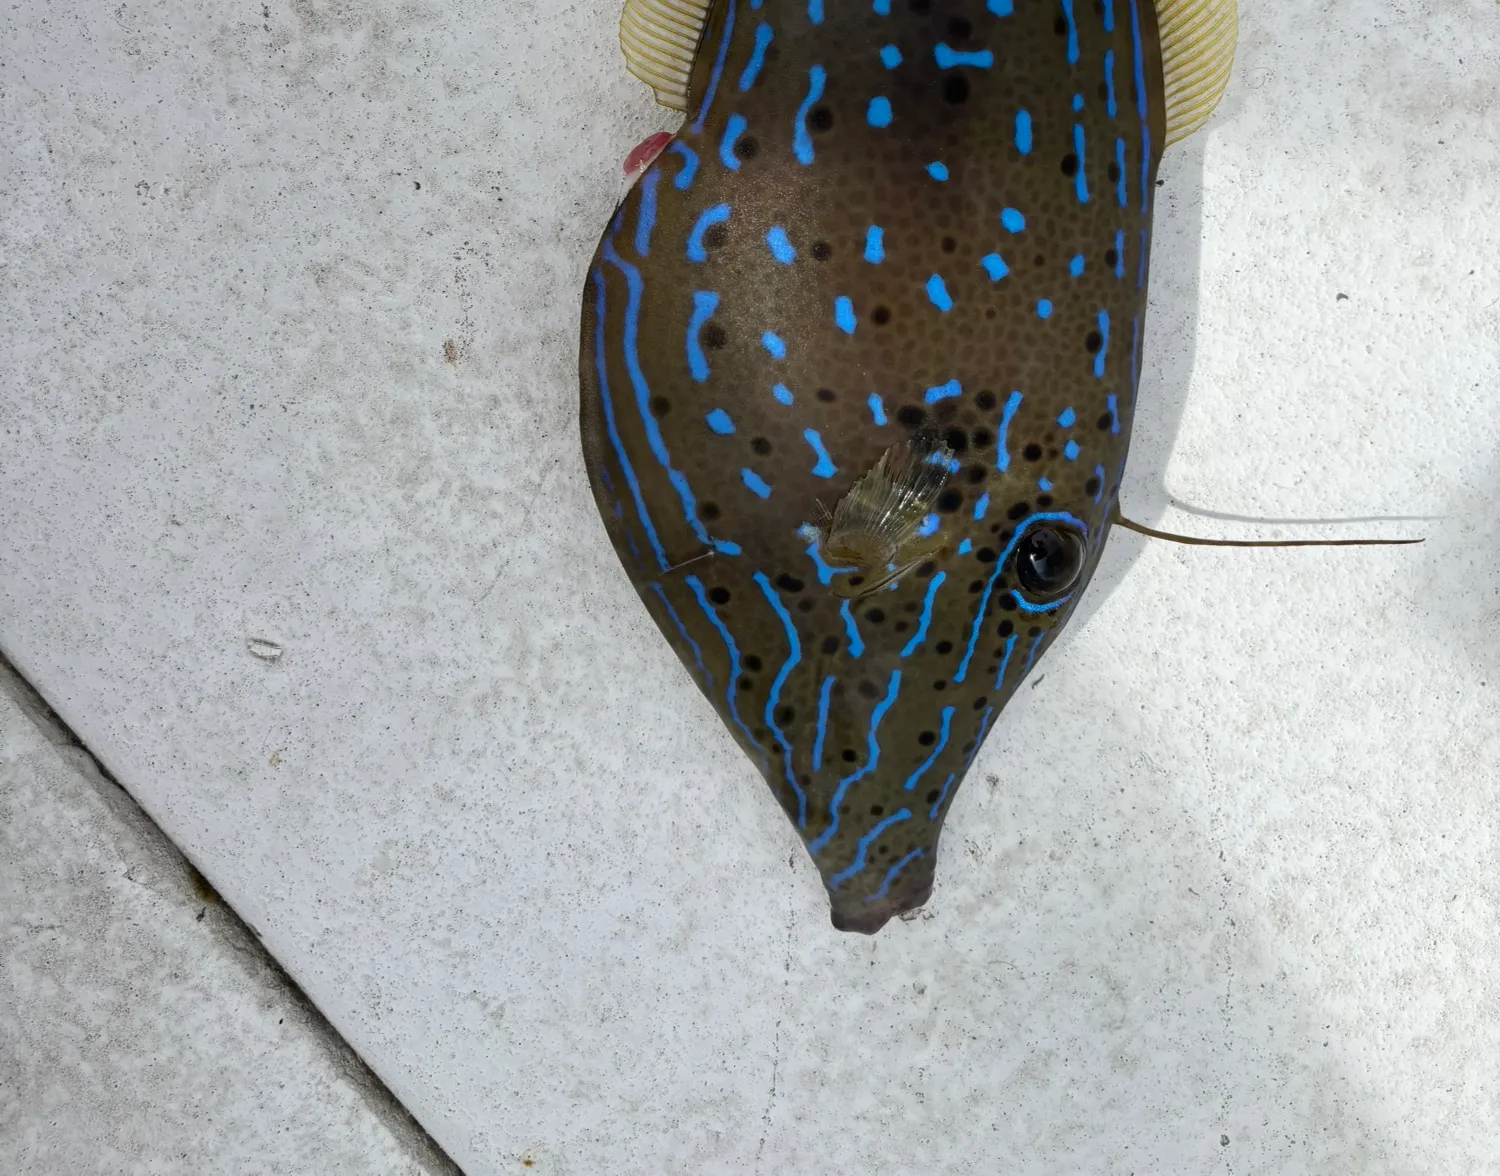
(221, 921)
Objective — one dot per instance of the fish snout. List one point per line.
(867, 914)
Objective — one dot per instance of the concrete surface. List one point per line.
(291, 298)
(141, 1029)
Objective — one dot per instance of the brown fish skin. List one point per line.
(863, 715)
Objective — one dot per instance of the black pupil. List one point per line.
(1049, 562)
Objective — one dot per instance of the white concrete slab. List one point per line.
(291, 300)
(141, 1029)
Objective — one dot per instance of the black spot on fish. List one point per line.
(715, 236)
(985, 400)
(747, 683)
(985, 555)
(1060, 26)
(714, 336)
(1070, 164)
(867, 689)
(746, 147)
(1043, 501)
(957, 439)
(944, 647)
(976, 587)
(919, 5)
(940, 685)
(1032, 452)
(960, 29)
(1008, 603)
(820, 118)
(719, 595)
(1114, 172)
(982, 438)
(830, 645)
(1093, 342)
(933, 796)
(950, 500)
(805, 605)
(901, 626)
(911, 416)
(956, 90)
(1034, 631)
(789, 582)
(877, 810)
(875, 616)
(1019, 511)
(981, 702)
(752, 663)
(880, 315)
(948, 244)
(925, 570)
(1106, 422)
(761, 446)
(785, 715)
(709, 510)
(976, 474)
(927, 738)
(1091, 486)
(826, 395)
(821, 251)
(660, 406)
(848, 756)
(1007, 628)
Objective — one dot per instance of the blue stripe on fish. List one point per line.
(718, 69)
(995, 266)
(862, 849)
(802, 146)
(731, 695)
(684, 178)
(794, 655)
(1099, 359)
(782, 393)
(843, 314)
(942, 796)
(851, 630)
(733, 129)
(781, 246)
(872, 761)
(825, 467)
(774, 345)
(949, 58)
(911, 781)
(874, 244)
(1008, 414)
(895, 871)
(763, 36)
(926, 619)
(824, 695)
(1080, 180)
(944, 392)
(682, 630)
(709, 217)
(1067, 6)
(1010, 648)
(720, 422)
(1023, 132)
(645, 219)
(877, 408)
(758, 485)
(705, 302)
(937, 293)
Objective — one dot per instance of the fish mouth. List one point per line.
(867, 916)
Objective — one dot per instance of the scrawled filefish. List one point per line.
(859, 357)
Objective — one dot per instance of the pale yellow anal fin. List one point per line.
(1198, 40)
(660, 40)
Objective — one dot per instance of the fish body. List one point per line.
(858, 366)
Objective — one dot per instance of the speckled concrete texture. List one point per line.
(140, 1029)
(291, 301)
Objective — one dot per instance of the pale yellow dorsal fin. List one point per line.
(660, 40)
(1197, 49)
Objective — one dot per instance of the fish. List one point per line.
(858, 362)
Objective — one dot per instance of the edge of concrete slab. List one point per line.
(223, 922)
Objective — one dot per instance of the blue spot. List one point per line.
(894, 871)
(984, 500)
(1071, 450)
(684, 179)
(872, 760)
(921, 635)
(1044, 484)
(823, 696)
(718, 70)
(825, 573)
(607, 400)
(1080, 181)
(802, 146)
(951, 58)
(1023, 132)
(705, 302)
(1067, 419)
(1075, 267)
(843, 314)
(781, 247)
(815, 11)
(720, 422)
(948, 712)
(965, 547)
(1104, 349)
(874, 244)
(1010, 648)
(851, 630)
(757, 56)
(825, 467)
(756, 483)
(782, 393)
(862, 848)
(1013, 221)
(794, 655)
(1140, 101)
(734, 660)
(706, 219)
(937, 293)
(1077, 101)
(890, 57)
(1120, 254)
(943, 795)
(879, 112)
(877, 408)
(1109, 16)
(771, 341)
(733, 129)
(1000, 7)
(1121, 196)
(1008, 414)
(646, 220)
(1044, 309)
(1109, 82)
(1114, 413)
(929, 526)
(882, 7)
(1072, 32)
(938, 171)
(944, 391)
(995, 266)
(1099, 474)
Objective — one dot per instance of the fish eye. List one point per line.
(1049, 561)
